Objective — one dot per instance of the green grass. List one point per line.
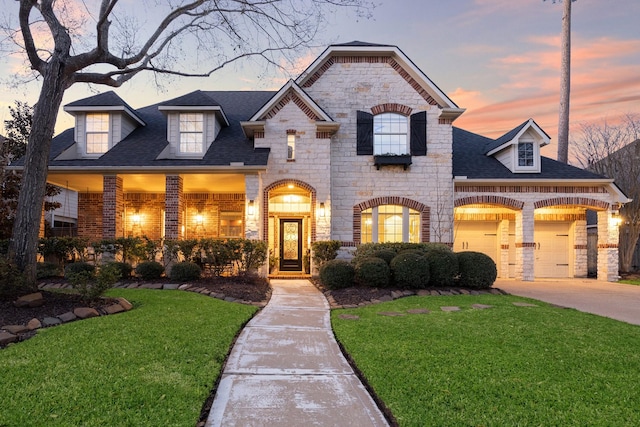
(152, 366)
(630, 282)
(503, 366)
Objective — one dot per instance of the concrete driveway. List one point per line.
(615, 300)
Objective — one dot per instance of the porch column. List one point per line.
(112, 207)
(580, 262)
(254, 206)
(608, 236)
(525, 244)
(174, 202)
(503, 229)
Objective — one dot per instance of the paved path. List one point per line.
(287, 369)
(615, 300)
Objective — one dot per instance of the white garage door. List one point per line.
(552, 253)
(478, 236)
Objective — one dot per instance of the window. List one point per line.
(525, 154)
(192, 133)
(291, 147)
(390, 134)
(97, 133)
(390, 223)
(231, 224)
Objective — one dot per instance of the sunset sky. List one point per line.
(499, 59)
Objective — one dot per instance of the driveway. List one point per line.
(615, 300)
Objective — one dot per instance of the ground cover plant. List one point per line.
(505, 365)
(153, 365)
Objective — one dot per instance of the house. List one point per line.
(359, 148)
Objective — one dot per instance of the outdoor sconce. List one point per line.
(322, 211)
(252, 210)
(135, 219)
(615, 218)
(199, 219)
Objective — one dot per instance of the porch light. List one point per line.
(322, 211)
(135, 219)
(199, 219)
(252, 210)
(615, 219)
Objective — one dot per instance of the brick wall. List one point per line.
(90, 215)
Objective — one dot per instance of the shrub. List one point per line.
(185, 272)
(386, 254)
(324, 251)
(77, 268)
(219, 254)
(373, 272)
(477, 270)
(91, 286)
(149, 270)
(254, 255)
(443, 267)
(47, 269)
(13, 283)
(337, 274)
(188, 249)
(124, 269)
(410, 270)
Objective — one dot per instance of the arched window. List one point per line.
(390, 223)
(390, 134)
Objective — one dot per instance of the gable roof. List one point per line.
(197, 100)
(506, 139)
(470, 161)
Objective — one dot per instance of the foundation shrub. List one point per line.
(78, 268)
(254, 255)
(90, 284)
(386, 254)
(324, 251)
(410, 269)
(47, 269)
(477, 270)
(185, 272)
(373, 272)
(149, 270)
(12, 282)
(124, 269)
(337, 274)
(443, 268)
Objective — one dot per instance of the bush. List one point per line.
(337, 274)
(77, 268)
(149, 270)
(185, 272)
(443, 268)
(47, 269)
(373, 272)
(91, 286)
(220, 254)
(12, 282)
(324, 251)
(410, 270)
(386, 254)
(254, 255)
(124, 269)
(477, 270)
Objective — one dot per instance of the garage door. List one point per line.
(552, 253)
(478, 236)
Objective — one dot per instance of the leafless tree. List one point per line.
(105, 43)
(613, 150)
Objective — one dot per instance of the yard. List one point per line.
(504, 365)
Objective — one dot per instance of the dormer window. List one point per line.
(390, 134)
(525, 154)
(192, 133)
(97, 125)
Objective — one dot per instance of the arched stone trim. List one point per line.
(391, 108)
(291, 96)
(425, 215)
(285, 183)
(492, 200)
(580, 201)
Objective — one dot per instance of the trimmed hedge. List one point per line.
(443, 268)
(337, 274)
(385, 254)
(149, 270)
(477, 270)
(410, 270)
(373, 272)
(185, 272)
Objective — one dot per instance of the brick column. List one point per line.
(503, 230)
(608, 236)
(580, 248)
(112, 208)
(525, 244)
(174, 202)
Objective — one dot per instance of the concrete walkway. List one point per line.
(615, 300)
(286, 369)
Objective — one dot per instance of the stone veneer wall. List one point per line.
(362, 83)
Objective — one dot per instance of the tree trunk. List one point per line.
(628, 240)
(565, 85)
(24, 241)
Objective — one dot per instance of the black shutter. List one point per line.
(419, 134)
(365, 134)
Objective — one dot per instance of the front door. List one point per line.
(290, 245)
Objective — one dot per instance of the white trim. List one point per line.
(97, 109)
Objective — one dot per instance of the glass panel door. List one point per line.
(290, 245)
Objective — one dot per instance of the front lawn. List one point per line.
(506, 365)
(152, 366)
